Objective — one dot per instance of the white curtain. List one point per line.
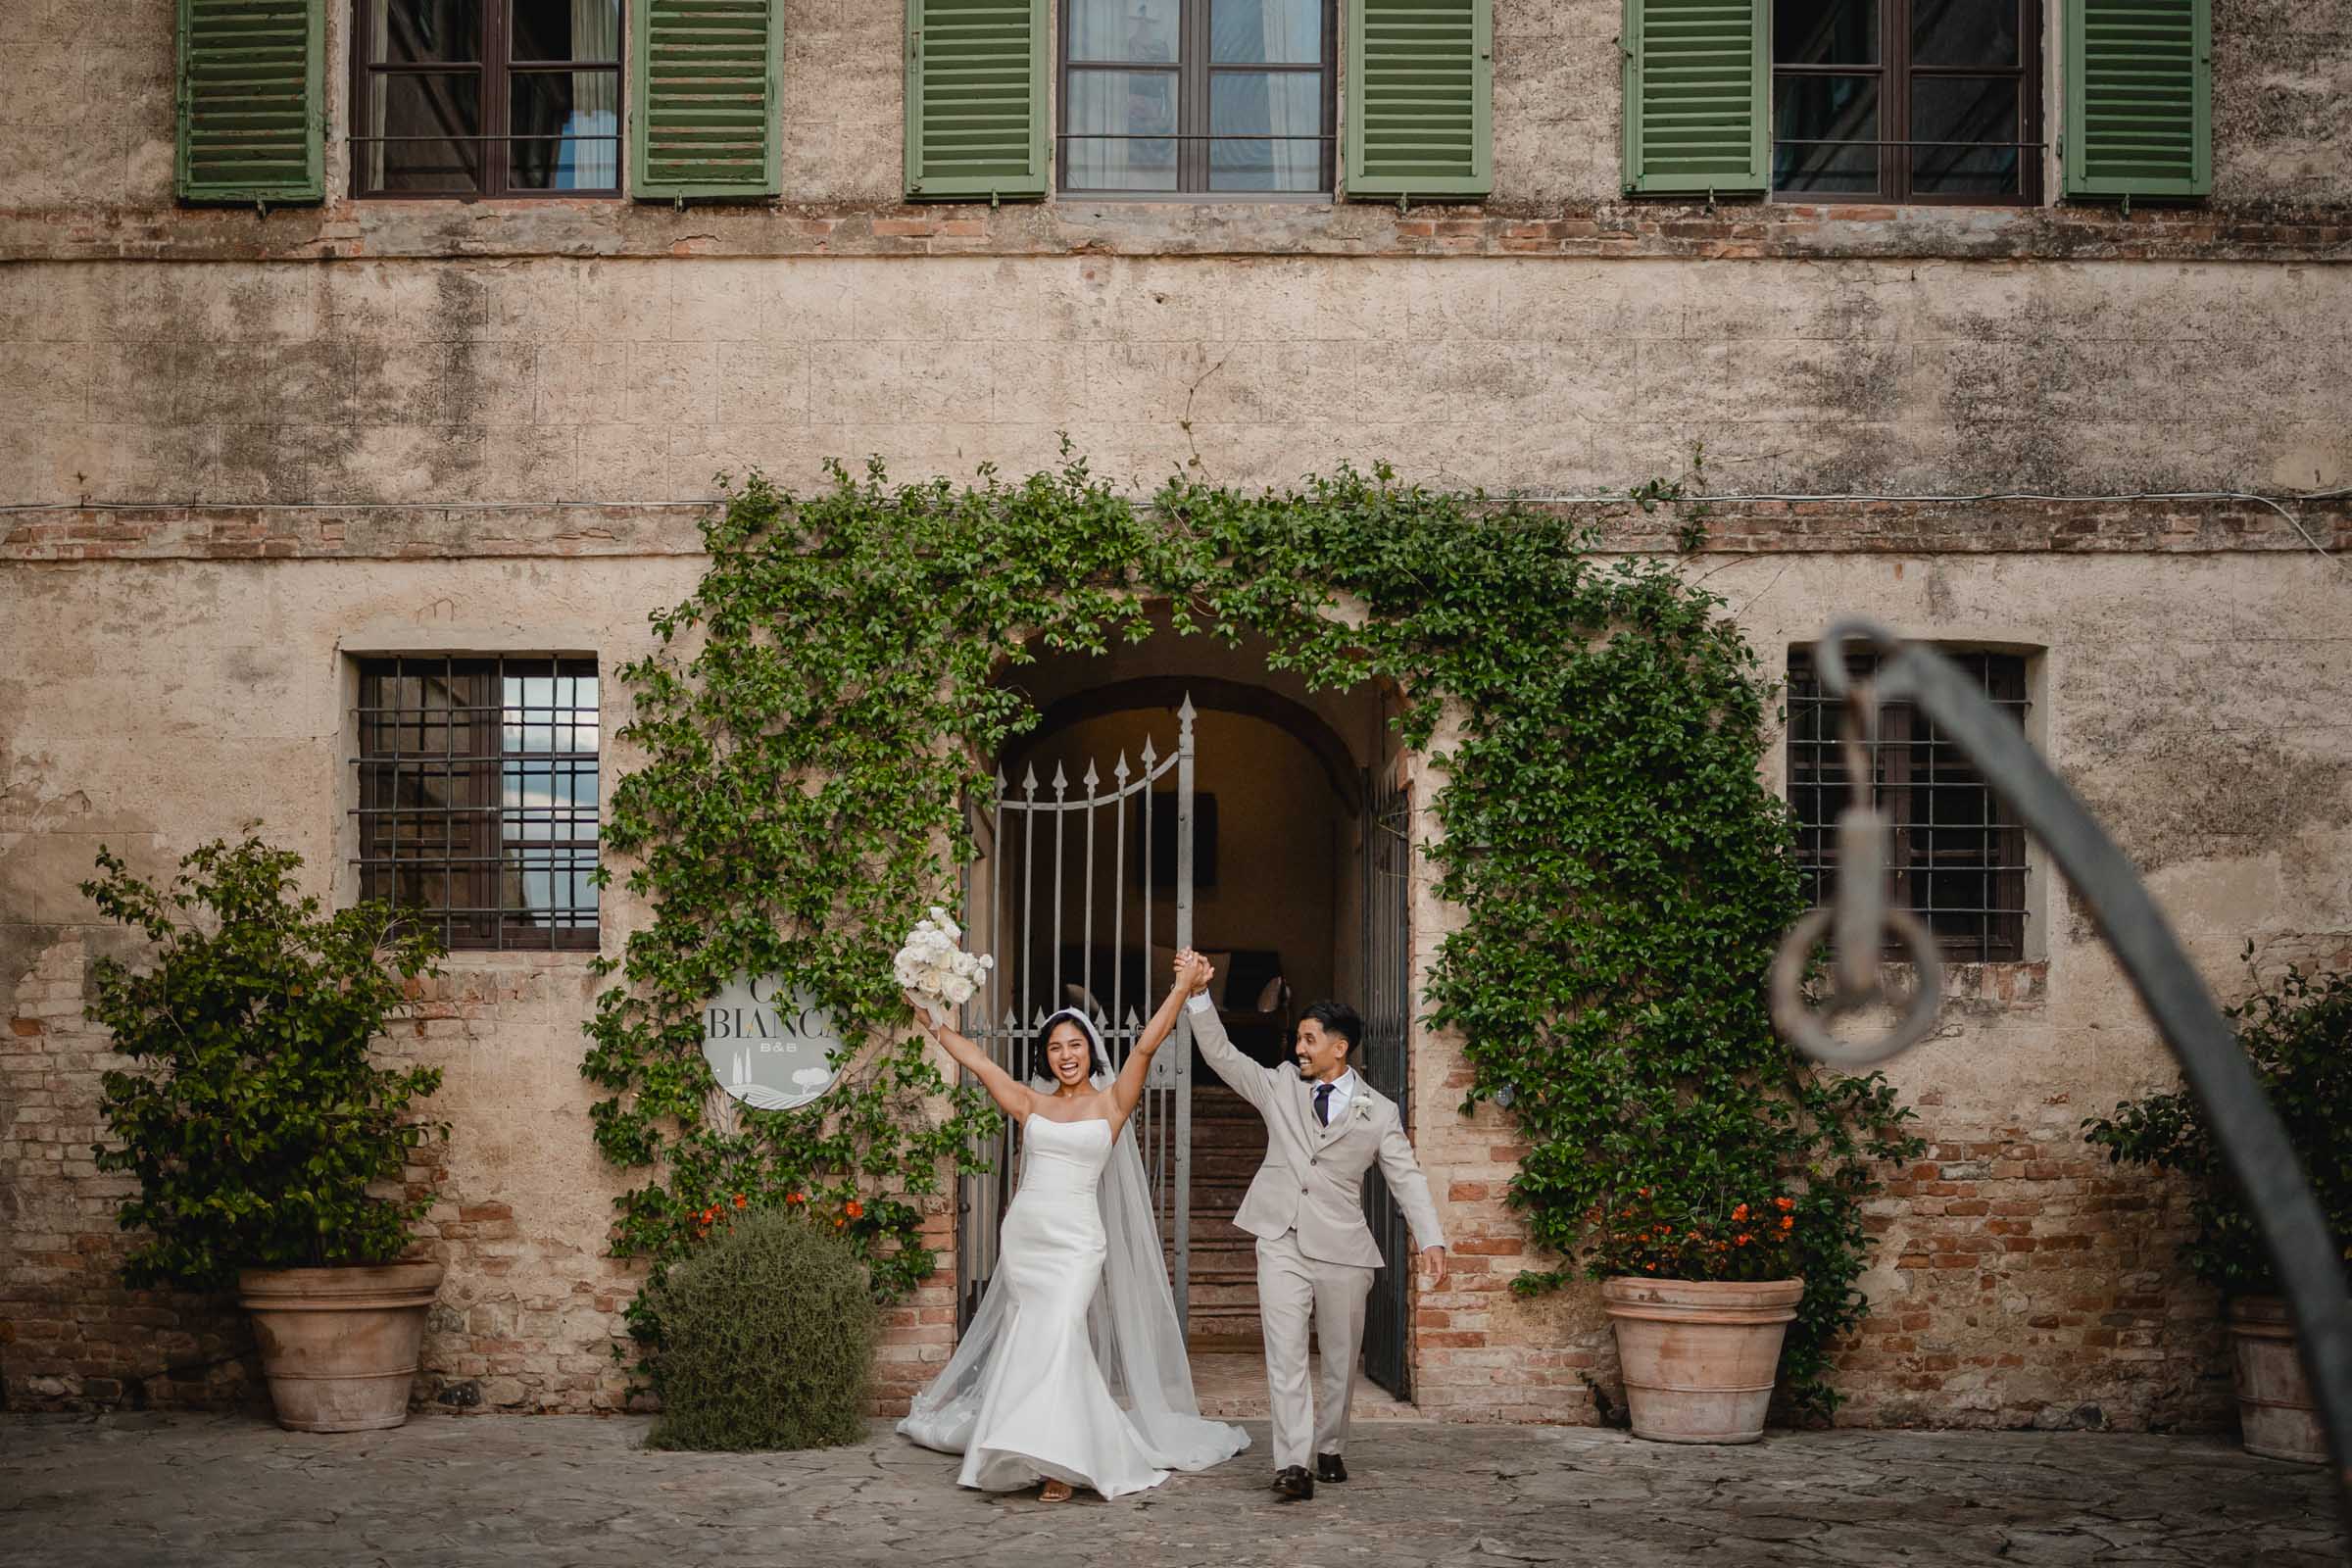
(1286, 107)
(593, 165)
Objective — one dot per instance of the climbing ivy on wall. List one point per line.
(835, 683)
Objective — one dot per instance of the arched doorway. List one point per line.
(1295, 863)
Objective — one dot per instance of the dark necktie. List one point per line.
(1322, 1104)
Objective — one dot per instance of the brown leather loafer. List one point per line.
(1295, 1484)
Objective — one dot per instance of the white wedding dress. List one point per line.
(1074, 1367)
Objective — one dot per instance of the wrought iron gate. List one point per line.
(1043, 947)
(1386, 1064)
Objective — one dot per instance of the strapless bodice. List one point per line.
(1063, 1156)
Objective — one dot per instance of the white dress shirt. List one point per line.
(1343, 1088)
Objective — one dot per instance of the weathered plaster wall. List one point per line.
(222, 698)
(632, 381)
(2018, 1279)
(411, 400)
(2193, 698)
(88, 121)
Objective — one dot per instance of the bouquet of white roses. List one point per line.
(935, 970)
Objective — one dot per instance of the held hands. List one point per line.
(1193, 972)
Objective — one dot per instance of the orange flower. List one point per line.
(1651, 1268)
(795, 1198)
(838, 1222)
(1743, 1238)
(854, 1208)
(1788, 1221)
(1644, 1192)
(741, 1200)
(1784, 1204)
(1693, 1236)
(1740, 1212)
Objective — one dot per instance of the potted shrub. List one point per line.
(257, 1125)
(2298, 1037)
(1700, 1289)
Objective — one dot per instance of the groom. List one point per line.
(1325, 1127)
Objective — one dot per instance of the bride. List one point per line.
(1073, 1370)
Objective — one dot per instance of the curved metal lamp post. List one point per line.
(2252, 1140)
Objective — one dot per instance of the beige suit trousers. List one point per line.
(1290, 1288)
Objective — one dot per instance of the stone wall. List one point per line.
(230, 685)
(2018, 1279)
(2186, 691)
(417, 382)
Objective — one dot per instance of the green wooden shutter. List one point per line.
(975, 99)
(2139, 98)
(1420, 83)
(1698, 83)
(252, 110)
(706, 99)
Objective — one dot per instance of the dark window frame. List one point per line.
(476, 848)
(1934, 798)
(1895, 73)
(1194, 71)
(495, 74)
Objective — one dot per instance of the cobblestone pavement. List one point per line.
(118, 1492)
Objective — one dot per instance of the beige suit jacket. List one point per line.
(1314, 1177)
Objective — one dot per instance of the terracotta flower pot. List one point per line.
(339, 1346)
(2275, 1408)
(1700, 1356)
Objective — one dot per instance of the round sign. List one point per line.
(769, 1050)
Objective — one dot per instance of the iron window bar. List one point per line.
(1960, 865)
(483, 81)
(1189, 135)
(456, 832)
(520, 135)
(1868, 142)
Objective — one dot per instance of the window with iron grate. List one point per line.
(1197, 96)
(478, 796)
(486, 98)
(1958, 856)
(1907, 100)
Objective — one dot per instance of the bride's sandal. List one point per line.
(1053, 1491)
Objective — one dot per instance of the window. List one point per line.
(1184, 96)
(1907, 100)
(478, 796)
(486, 98)
(1958, 859)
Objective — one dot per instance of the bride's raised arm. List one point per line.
(1127, 1090)
(1015, 1099)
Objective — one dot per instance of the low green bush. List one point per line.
(767, 1338)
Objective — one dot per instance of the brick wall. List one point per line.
(71, 1336)
(2018, 1280)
